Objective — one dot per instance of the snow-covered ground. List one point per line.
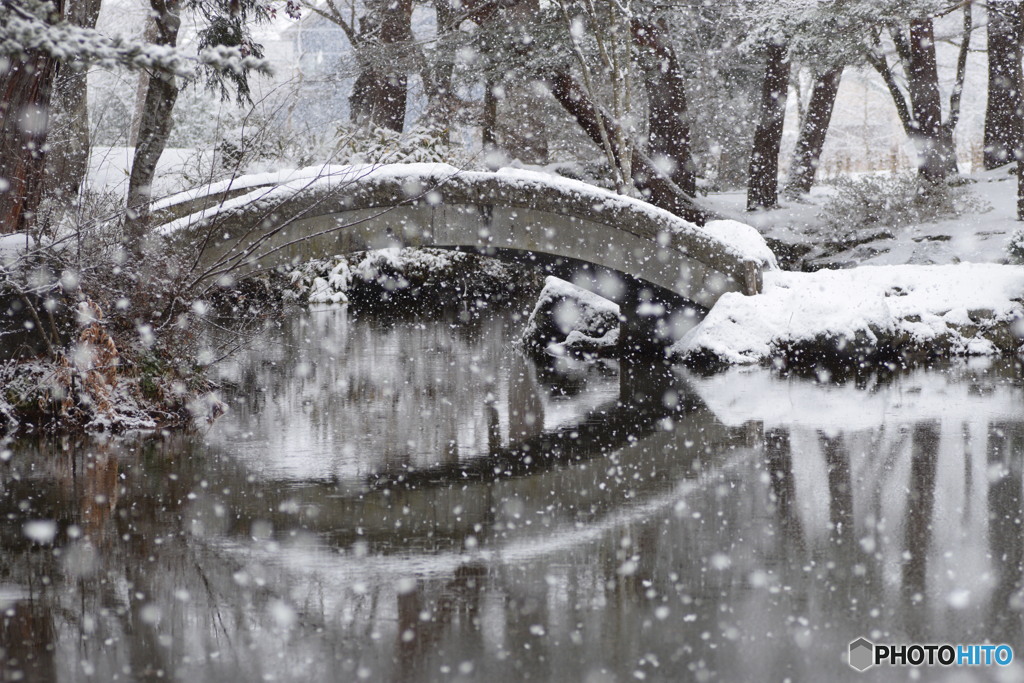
(964, 309)
(12, 246)
(901, 291)
(178, 169)
(976, 237)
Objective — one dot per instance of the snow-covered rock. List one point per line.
(965, 309)
(567, 318)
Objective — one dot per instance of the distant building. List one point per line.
(316, 66)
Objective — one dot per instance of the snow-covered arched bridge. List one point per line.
(269, 219)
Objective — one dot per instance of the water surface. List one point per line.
(413, 500)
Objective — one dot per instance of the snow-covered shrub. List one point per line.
(383, 146)
(1016, 246)
(413, 278)
(260, 144)
(896, 201)
(93, 337)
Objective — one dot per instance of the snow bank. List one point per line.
(965, 309)
(569, 319)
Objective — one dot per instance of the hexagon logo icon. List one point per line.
(862, 654)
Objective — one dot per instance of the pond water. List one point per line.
(413, 500)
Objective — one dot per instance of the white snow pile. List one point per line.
(964, 309)
(744, 238)
(567, 319)
(324, 281)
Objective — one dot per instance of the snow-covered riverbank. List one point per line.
(965, 309)
(863, 313)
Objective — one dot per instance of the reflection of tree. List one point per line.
(27, 643)
(779, 457)
(968, 509)
(525, 405)
(918, 536)
(840, 490)
(1005, 512)
(454, 603)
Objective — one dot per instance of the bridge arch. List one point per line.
(263, 221)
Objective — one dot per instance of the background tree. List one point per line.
(225, 24)
(382, 40)
(763, 177)
(154, 124)
(668, 116)
(68, 139)
(813, 129)
(920, 106)
(601, 40)
(35, 37)
(26, 84)
(1003, 112)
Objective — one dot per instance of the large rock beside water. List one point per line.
(568, 319)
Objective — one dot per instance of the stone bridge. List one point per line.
(619, 247)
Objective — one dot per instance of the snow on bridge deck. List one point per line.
(287, 217)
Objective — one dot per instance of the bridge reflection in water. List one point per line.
(533, 525)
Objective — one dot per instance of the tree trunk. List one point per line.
(1020, 187)
(154, 127)
(655, 185)
(437, 73)
(26, 83)
(149, 35)
(668, 123)
(934, 141)
(68, 159)
(1002, 115)
(379, 94)
(489, 124)
(813, 129)
(763, 176)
